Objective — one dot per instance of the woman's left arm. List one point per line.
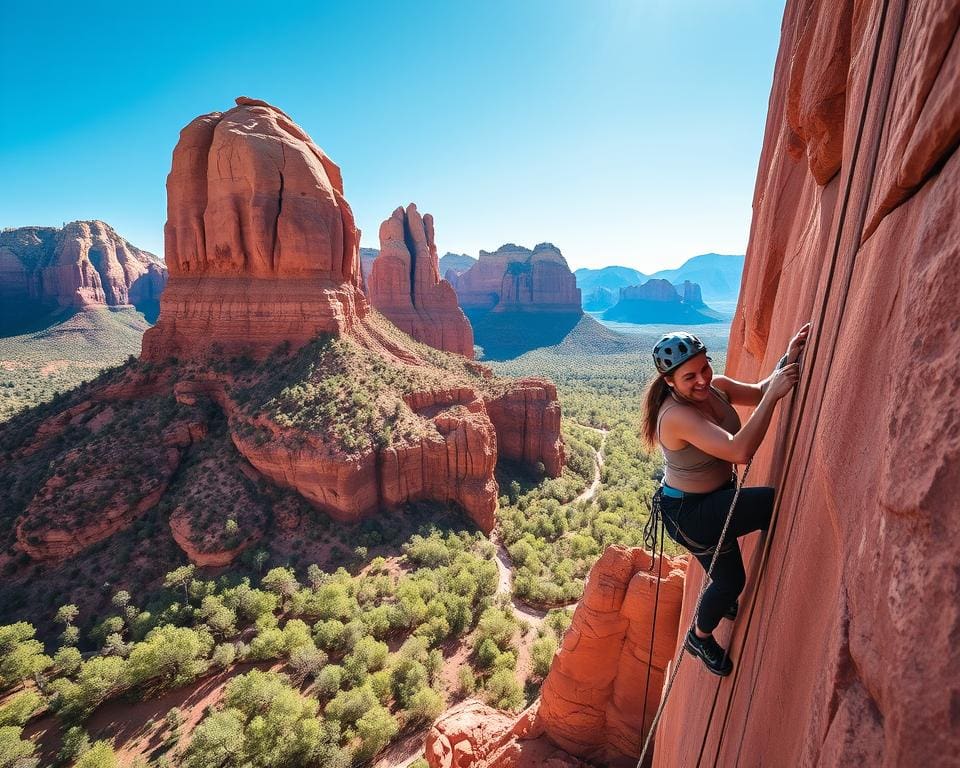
(742, 393)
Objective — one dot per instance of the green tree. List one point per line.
(282, 582)
(375, 729)
(170, 655)
(543, 651)
(180, 578)
(100, 755)
(21, 656)
(19, 708)
(13, 748)
(503, 691)
(424, 706)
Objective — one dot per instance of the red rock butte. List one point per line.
(405, 284)
(260, 243)
(516, 279)
(267, 356)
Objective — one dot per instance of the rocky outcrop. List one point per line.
(473, 735)
(527, 420)
(514, 278)
(82, 264)
(844, 650)
(405, 285)
(260, 243)
(659, 301)
(599, 299)
(604, 685)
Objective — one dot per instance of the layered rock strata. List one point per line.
(82, 264)
(604, 685)
(260, 242)
(405, 284)
(844, 647)
(513, 279)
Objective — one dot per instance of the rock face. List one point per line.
(604, 684)
(405, 285)
(514, 278)
(260, 243)
(849, 656)
(659, 301)
(86, 263)
(282, 373)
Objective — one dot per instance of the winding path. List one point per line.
(522, 610)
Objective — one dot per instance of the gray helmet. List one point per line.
(674, 349)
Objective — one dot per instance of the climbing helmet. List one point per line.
(674, 349)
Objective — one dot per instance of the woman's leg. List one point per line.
(703, 522)
(726, 585)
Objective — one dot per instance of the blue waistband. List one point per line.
(673, 493)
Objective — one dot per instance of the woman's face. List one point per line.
(692, 379)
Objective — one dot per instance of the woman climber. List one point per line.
(689, 413)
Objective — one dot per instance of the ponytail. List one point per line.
(657, 392)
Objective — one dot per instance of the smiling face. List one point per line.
(692, 379)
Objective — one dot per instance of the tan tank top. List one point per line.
(690, 469)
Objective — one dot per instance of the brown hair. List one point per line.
(657, 392)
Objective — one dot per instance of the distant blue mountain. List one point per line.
(611, 278)
(717, 275)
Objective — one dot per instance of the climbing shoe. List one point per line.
(713, 656)
(731, 612)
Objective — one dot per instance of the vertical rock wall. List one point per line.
(846, 646)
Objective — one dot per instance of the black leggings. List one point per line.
(695, 522)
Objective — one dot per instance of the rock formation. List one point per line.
(85, 263)
(266, 364)
(847, 656)
(405, 285)
(659, 301)
(514, 278)
(599, 299)
(260, 243)
(592, 704)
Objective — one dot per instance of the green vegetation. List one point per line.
(71, 348)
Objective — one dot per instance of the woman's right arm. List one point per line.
(688, 425)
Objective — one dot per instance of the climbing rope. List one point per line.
(676, 665)
(654, 560)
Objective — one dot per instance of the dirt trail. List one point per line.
(522, 610)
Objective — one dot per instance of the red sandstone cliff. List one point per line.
(592, 703)
(405, 284)
(301, 383)
(514, 278)
(85, 263)
(849, 656)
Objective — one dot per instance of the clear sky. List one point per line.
(624, 131)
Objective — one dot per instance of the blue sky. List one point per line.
(625, 132)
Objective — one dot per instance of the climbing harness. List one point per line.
(676, 664)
